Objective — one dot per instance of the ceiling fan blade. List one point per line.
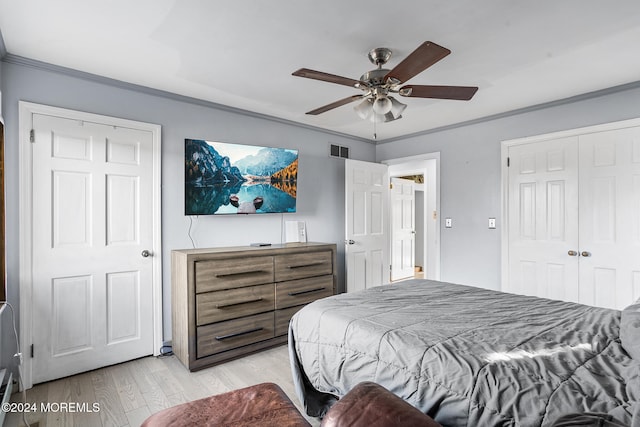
(461, 93)
(326, 77)
(427, 54)
(335, 105)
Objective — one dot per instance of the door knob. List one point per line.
(572, 253)
(145, 253)
(585, 254)
(350, 242)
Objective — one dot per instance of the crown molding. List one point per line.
(569, 100)
(32, 63)
(27, 62)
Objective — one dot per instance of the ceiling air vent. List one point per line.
(338, 151)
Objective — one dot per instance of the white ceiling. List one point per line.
(242, 53)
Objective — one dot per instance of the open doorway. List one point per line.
(427, 208)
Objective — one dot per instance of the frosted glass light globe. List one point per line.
(382, 105)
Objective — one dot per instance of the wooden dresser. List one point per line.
(227, 302)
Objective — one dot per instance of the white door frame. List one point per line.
(428, 165)
(26, 110)
(504, 154)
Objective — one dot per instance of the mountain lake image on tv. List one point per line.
(224, 178)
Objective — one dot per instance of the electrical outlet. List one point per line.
(492, 223)
(448, 223)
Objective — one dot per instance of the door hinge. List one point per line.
(32, 351)
(32, 135)
(390, 186)
(508, 161)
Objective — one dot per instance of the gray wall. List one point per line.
(470, 168)
(470, 173)
(321, 178)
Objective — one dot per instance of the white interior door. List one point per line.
(366, 223)
(610, 218)
(92, 292)
(574, 216)
(403, 228)
(543, 219)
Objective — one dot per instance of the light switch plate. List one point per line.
(447, 222)
(492, 223)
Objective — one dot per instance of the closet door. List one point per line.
(543, 219)
(610, 218)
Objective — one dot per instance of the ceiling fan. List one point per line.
(377, 85)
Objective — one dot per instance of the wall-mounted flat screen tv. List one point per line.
(224, 178)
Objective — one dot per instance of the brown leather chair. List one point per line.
(266, 405)
(259, 405)
(371, 405)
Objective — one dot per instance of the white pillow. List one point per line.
(630, 330)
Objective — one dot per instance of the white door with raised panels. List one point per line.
(403, 228)
(543, 219)
(610, 218)
(366, 224)
(574, 216)
(92, 245)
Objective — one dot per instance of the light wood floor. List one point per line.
(128, 393)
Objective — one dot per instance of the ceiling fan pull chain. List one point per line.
(375, 134)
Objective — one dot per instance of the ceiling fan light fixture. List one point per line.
(382, 105)
(365, 109)
(397, 107)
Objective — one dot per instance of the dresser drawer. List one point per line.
(303, 291)
(233, 273)
(299, 266)
(233, 303)
(283, 317)
(222, 336)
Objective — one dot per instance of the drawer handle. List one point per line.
(237, 334)
(241, 273)
(306, 265)
(239, 303)
(295, 294)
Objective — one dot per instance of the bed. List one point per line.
(466, 356)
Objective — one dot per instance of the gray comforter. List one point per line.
(466, 356)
